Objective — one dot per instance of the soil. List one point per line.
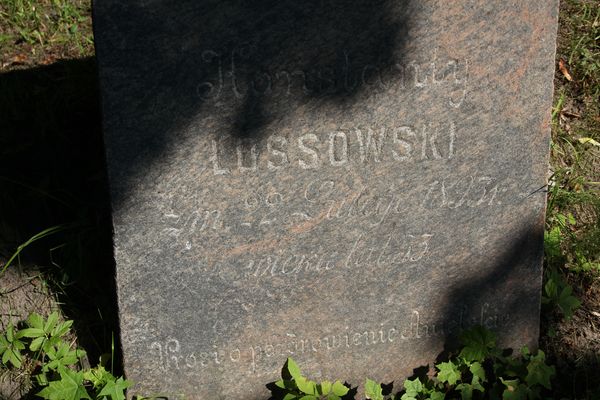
(573, 345)
(21, 293)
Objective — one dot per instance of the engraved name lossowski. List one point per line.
(340, 148)
(254, 358)
(232, 74)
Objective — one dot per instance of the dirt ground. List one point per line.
(573, 346)
(21, 293)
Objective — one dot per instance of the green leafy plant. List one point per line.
(559, 293)
(480, 370)
(373, 390)
(294, 386)
(11, 346)
(41, 349)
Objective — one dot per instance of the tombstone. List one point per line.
(347, 183)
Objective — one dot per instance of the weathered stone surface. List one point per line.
(348, 183)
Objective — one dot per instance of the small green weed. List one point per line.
(40, 349)
(294, 386)
(569, 241)
(479, 371)
(557, 292)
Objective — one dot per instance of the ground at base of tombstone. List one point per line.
(573, 344)
(21, 292)
(41, 32)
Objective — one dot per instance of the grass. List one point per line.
(50, 122)
(575, 151)
(40, 32)
(573, 213)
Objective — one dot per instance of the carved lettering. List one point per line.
(313, 162)
(357, 148)
(338, 155)
(414, 326)
(280, 155)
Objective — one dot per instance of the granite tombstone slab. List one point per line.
(348, 183)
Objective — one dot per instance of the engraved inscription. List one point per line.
(252, 357)
(470, 192)
(231, 78)
(357, 147)
(324, 201)
(392, 252)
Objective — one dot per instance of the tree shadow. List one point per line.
(247, 64)
(504, 295)
(261, 59)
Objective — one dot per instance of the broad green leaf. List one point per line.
(309, 397)
(62, 329)
(13, 356)
(289, 396)
(59, 351)
(435, 395)
(325, 387)
(35, 320)
(538, 372)
(98, 376)
(567, 302)
(466, 391)
(448, 372)
(306, 386)
(10, 335)
(31, 333)
(373, 390)
(333, 396)
(36, 343)
(339, 389)
(115, 389)
(10, 348)
(478, 343)
(69, 387)
(515, 390)
(3, 344)
(413, 387)
(51, 322)
(552, 242)
(42, 379)
(406, 396)
(293, 368)
(280, 384)
(478, 373)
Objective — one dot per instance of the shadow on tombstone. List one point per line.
(511, 277)
(512, 280)
(248, 64)
(262, 57)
